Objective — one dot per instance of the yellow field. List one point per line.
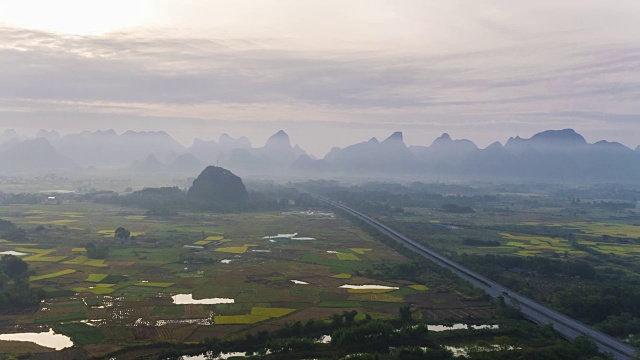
(202, 242)
(257, 314)
(599, 229)
(83, 260)
(53, 222)
(271, 312)
(79, 249)
(236, 249)
(51, 275)
(533, 245)
(96, 277)
(215, 237)
(347, 257)
(40, 255)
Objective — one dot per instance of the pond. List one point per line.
(14, 253)
(369, 287)
(47, 339)
(438, 328)
(187, 299)
(222, 356)
(298, 282)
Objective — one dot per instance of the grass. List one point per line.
(342, 276)
(376, 297)
(79, 249)
(52, 275)
(98, 290)
(340, 304)
(71, 316)
(419, 287)
(361, 251)
(80, 333)
(168, 310)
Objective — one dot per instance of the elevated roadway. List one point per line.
(536, 312)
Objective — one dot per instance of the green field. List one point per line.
(136, 280)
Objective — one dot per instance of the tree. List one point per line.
(95, 251)
(13, 267)
(122, 233)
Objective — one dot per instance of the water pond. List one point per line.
(187, 299)
(439, 328)
(47, 339)
(369, 287)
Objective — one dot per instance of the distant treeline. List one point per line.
(168, 201)
(535, 265)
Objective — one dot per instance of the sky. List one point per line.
(329, 73)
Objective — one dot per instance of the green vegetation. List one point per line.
(14, 288)
(555, 259)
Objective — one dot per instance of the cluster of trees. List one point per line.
(168, 201)
(456, 209)
(599, 303)
(9, 231)
(479, 242)
(538, 265)
(14, 285)
(97, 251)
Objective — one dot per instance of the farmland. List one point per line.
(573, 249)
(126, 298)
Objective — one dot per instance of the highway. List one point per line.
(534, 311)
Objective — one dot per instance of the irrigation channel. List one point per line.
(532, 310)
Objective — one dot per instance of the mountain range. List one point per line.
(552, 155)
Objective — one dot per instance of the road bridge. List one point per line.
(536, 312)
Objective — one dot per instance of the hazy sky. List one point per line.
(330, 72)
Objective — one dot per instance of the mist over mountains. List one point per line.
(552, 155)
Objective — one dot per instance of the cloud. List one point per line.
(152, 76)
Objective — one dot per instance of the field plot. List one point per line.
(127, 297)
(534, 245)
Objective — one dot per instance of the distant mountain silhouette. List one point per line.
(444, 153)
(391, 155)
(8, 135)
(551, 155)
(33, 155)
(107, 148)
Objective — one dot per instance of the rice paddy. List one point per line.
(153, 278)
(52, 275)
(347, 257)
(235, 249)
